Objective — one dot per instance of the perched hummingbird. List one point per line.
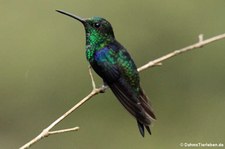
(114, 65)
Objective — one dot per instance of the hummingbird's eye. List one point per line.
(97, 25)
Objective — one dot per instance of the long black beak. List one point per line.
(72, 15)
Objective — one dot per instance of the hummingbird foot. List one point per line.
(104, 87)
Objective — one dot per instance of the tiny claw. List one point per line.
(104, 87)
(102, 91)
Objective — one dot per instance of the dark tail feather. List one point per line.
(142, 129)
(148, 129)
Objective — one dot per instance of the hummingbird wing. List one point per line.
(114, 64)
(137, 105)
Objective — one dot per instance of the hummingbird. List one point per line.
(111, 61)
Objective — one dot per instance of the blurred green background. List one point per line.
(43, 72)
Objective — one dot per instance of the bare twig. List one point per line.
(92, 78)
(46, 132)
(199, 44)
(63, 130)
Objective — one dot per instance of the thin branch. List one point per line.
(200, 38)
(63, 130)
(199, 44)
(92, 78)
(46, 132)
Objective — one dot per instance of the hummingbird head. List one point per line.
(98, 30)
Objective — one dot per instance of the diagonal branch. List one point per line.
(199, 44)
(46, 132)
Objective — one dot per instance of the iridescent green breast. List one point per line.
(94, 42)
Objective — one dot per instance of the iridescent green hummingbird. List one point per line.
(114, 65)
